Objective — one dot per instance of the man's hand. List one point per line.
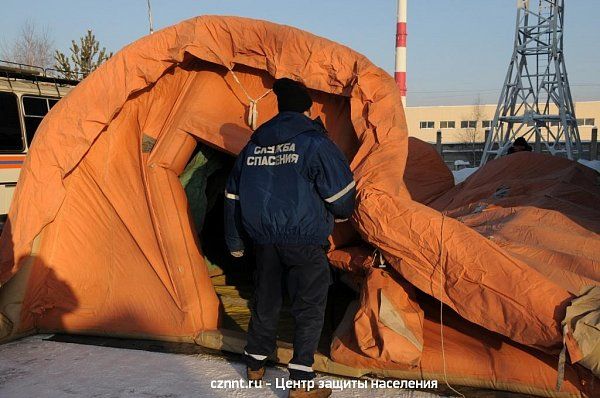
(237, 254)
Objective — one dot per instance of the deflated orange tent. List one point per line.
(426, 175)
(528, 199)
(99, 239)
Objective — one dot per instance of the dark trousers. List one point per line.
(305, 271)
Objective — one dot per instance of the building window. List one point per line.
(468, 124)
(586, 122)
(486, 124)
(447, 124)
(427, 125)
(11, 138)
(35, 108)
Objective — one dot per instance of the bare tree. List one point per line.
(33, 46)
(472, 134)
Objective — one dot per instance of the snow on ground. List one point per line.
(463, 174)
(593, 164)
(37, 367)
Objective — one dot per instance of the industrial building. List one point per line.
(463, 127)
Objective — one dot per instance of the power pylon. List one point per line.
(535, 102)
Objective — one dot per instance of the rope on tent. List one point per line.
(442, 306)
(253, 110)
(381, 264)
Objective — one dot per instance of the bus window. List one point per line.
(31, 125)
(10, 128)
(35, 109)
(35, 106)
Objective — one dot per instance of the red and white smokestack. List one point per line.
(400, 73)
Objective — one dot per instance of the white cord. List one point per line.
(442, 307)
(253, 111)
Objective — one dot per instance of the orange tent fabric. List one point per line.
(426, 175)
(528, 200)
(398, 336)
(467, 354)
(101, 218)
(470, 356)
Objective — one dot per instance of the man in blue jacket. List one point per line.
(286, 189)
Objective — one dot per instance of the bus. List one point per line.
(27, 93)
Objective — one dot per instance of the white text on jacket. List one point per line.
(274, 155)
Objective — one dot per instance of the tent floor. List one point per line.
(234, 290)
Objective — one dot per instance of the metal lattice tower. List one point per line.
(535, 102)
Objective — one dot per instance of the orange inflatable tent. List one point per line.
(99, 238)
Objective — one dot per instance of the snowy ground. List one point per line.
(593, 164)
(38, 367)
(463, 174)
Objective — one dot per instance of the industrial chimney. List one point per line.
(400, 72)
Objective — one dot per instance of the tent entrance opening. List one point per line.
(204, 181)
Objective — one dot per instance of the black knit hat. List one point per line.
(291, 95)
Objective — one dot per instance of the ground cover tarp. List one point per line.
(99, 238)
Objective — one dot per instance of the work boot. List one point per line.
(255, 375)
(312, 393)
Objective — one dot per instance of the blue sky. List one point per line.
(457, 49)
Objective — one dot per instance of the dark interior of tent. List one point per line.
(204, 180)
